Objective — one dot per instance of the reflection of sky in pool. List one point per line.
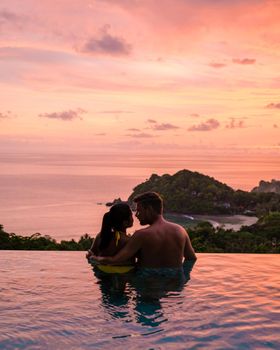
(53, 300)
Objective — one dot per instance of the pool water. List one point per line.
(54, 300)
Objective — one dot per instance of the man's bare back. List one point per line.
(162, 244)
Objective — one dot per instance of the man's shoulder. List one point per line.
(175, 226)
(142, 231)
(139, 236)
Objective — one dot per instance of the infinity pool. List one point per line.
(53, 300)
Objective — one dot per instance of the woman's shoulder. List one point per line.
(125, 237)
(121, 240)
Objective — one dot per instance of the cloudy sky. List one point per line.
(118, 75)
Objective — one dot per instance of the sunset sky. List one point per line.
(140, 75)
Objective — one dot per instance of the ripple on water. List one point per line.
(53, 300)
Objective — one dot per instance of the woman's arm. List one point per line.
(94, 249)
(95, 245)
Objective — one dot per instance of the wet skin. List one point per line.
(162, 244)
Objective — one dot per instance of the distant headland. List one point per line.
(266, 186)
(188, 192)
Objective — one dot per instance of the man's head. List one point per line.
(149, 207)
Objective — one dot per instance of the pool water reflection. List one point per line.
(53, 300)
(144, 291)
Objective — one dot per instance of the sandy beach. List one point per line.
(228, 222)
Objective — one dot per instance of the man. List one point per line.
(162, 244)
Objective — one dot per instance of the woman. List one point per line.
(112, 237)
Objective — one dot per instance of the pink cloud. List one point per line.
(116, 112)
(209, 125)
(201, 19)
(217, 65)
(273, 105)
(244, 61)
(194, 115)
(107, 44)
(7, 16)
(34, 55)
(161, 127)
(165, 126)
(235, 124)
(141, 135)
(11, 19)
(65, 115)
(74, 23)
(6, 115)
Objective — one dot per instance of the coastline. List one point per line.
(227, 222)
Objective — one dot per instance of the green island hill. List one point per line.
(188, 192)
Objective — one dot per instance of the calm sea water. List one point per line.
(59, 194)
(53, 300)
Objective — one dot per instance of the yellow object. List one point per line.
(115, 269)
(117, 237)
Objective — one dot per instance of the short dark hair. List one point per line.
(150, 199)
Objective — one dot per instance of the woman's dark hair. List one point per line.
(113, 221)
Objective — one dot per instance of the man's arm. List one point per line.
(127, 252)
(189, 252)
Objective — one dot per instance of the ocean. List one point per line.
(64, 195)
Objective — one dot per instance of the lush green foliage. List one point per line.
(194, 193)
(263, 237)
(36, 241)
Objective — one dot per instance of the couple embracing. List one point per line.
(160, 245)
